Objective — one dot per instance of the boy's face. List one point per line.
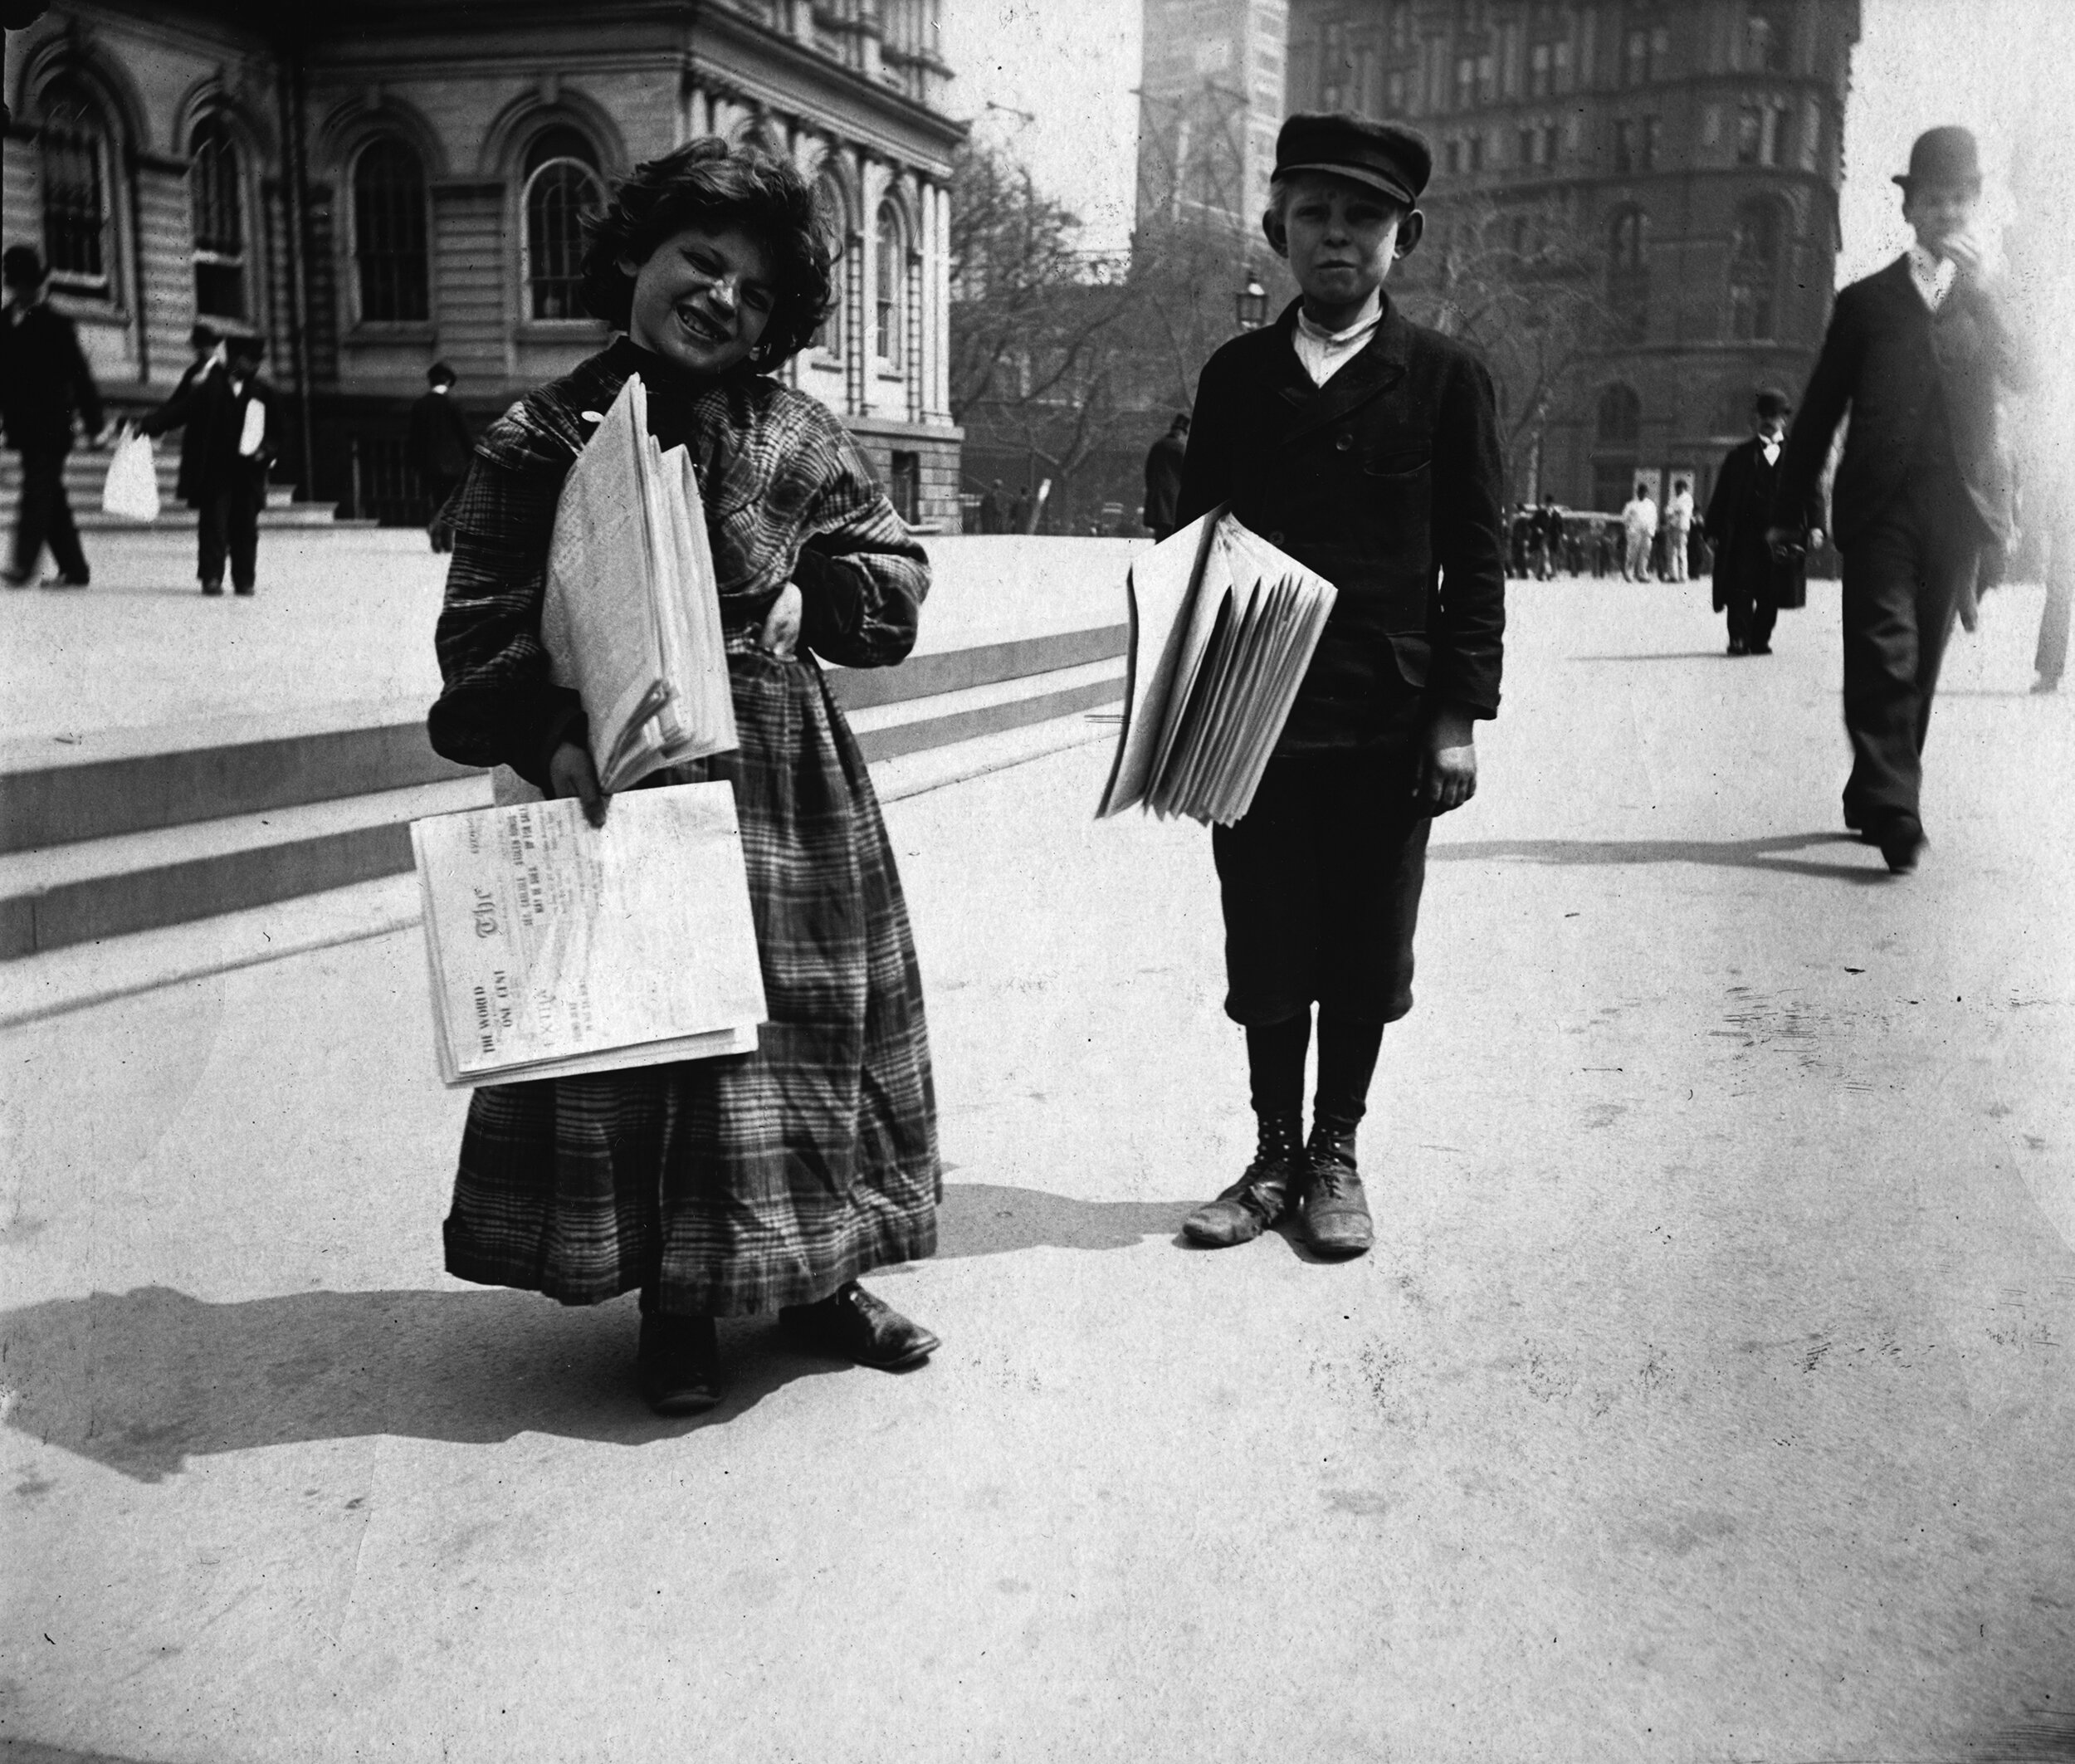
(1341, 238)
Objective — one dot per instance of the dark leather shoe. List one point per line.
(1761, 648)
(1736, 647)
(1333, 1206)
(1258, 1199)
(679, 1364)
(1901, 843)
(851, 1324)
(211, 588)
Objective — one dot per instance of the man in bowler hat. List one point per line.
(1752, 585)
(1918, 351)
(1367, 447)
(1164, 475)
(45, 384)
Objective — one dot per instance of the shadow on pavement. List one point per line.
(1741, 854)
(142, 1380)
(1674, 655)
(982, 1219)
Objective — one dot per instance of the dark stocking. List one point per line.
(1275, 1066)
(1347, 1061)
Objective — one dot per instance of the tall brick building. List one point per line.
(1694, 146)
(375, 184)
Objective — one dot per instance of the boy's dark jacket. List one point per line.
(211, 416)
(1387, 481)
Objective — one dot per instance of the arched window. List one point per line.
(1629, 273)
(1753, 273)
(1620, 423)
(216, 200)
(562, 187)
(889, 273)
(388, 232)
(72, 159)
(835, 215)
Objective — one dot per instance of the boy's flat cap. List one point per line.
(1395, 160)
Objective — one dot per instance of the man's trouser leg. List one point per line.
(1764, 613)
(212, 519)
(1903, 578)
(2050, 657)
(42, 480)
(241, 529)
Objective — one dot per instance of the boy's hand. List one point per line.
(781, 634)
(1449, 770)
(570, 773)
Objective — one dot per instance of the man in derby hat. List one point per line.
(45, 385)
(1367, 447)
(1752, 584)
(1918, 351)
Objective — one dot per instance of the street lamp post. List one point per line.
(1251, 303)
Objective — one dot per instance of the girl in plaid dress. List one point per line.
(715, 1186)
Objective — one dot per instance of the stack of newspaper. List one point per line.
(558, 948)
(1223, 629)
(632, 619)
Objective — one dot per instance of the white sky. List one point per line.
(1999, 66)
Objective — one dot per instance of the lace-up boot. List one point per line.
(1332, 1203)
(1261, 1194)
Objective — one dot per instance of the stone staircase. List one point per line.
(130, 833)
(84, 472)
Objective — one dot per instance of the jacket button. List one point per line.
(1343, 442)
(1275, 537)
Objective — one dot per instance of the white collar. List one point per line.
(1933, 276)
(1370, 316)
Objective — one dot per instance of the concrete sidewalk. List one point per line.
(1708, 1396)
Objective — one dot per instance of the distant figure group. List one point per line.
(999, 512)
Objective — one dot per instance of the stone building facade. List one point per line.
(383, 183)
(1694, 146)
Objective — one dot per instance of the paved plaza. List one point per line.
(1709, 1394)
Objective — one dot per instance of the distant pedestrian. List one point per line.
(1640, 525)
(1019, 512)
(230, 419)
(1678, 527)
(1520, 540)
(1549, 538)
(439, 447)
(994, 507)
(1164, 475)
(1602, 549)
(45, 384)
(1311, 428)
(1920, 352)
(1751, 583)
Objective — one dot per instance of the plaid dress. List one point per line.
(734, 1184)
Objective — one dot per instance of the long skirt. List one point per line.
(765, 1179)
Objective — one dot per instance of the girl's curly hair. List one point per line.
(711, 183)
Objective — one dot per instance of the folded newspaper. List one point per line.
(1223, 629)
(632, 618)
(558, 948)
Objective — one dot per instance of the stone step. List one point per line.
(84, 473)
(108, 845)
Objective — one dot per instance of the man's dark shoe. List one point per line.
(1902, 844)
(15, 578)
(851, 1324)
(1332, 1205)
(1738, 647)
(65, 581)
(1259, 1198)
(679, 1364)
(1761, 648)
(248, 591)
(211, 588)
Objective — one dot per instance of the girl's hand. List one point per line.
(570, 773)
(781, 634)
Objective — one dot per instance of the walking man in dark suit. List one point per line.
(1164, 475)
(44, 382)
(1367, 447)
(1918, 352)
(440, 447)
(1751, 584)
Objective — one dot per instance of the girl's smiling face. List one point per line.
(702, 299)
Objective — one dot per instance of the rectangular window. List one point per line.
(905, 489)
(1466, 78)
(1750, 129)
(1559, 58)
(75, 206)
(1624, 146)
(1661, 52)
(1528, 138)
(1538, 68)
(1510, 76)
(1772, 128)
(1637, 69)
(1653, 135)
(1394, 92)
(1487, 78)
(1476, 153)
(1549, 143)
